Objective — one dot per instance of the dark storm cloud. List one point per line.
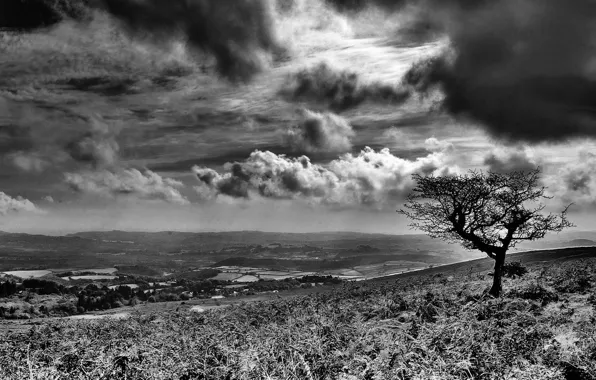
(320, 132)
(373, 179)
(237, 32)
(338, 89)
(39, 13)
(524, 69)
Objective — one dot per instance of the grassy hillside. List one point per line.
(429, 326)
(536, 259)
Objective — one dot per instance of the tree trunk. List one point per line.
(496, 288)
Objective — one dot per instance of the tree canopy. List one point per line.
(490, 212)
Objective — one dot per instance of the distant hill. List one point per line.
(173, 251)
(486, 264)
(579, 243)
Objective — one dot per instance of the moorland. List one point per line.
(438, 323)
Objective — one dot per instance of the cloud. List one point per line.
(320, 132)
(39, 13)
(14, 138)
(373, 179)
(510, 160)
(127, 182)
(432, 144)
(525, 70)
(97, 146)
(28, 161)
(48, 198)
(9, 205)
(575, 182)
(338, 89)
(240, 34)
(36, 138)
(355, 5)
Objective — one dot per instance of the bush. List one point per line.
(184, 296)
(534, 292)
(514, 269)
(573, 280)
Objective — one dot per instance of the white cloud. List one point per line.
(373, 179)
(28, 161)
(127, 182)
(432, 144)
(318, 132)
(9, 204)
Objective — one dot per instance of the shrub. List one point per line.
(184, 296)
(514, 269)
(572, 281)
(534, 292)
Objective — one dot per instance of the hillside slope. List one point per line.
(420, 326)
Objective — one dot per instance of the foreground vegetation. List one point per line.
(433, 327)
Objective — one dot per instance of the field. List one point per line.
(91, 277)
(27, 273)
(431, 324)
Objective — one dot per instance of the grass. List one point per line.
(428, 327)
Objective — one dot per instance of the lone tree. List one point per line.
(490, 212)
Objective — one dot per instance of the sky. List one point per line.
(296, 116)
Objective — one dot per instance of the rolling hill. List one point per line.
(174, 251)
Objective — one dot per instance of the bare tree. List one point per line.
(490, 212)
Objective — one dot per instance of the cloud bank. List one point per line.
(525, 70)
(127, 182)
(9, 205)
(320, 132)
(371, 179)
